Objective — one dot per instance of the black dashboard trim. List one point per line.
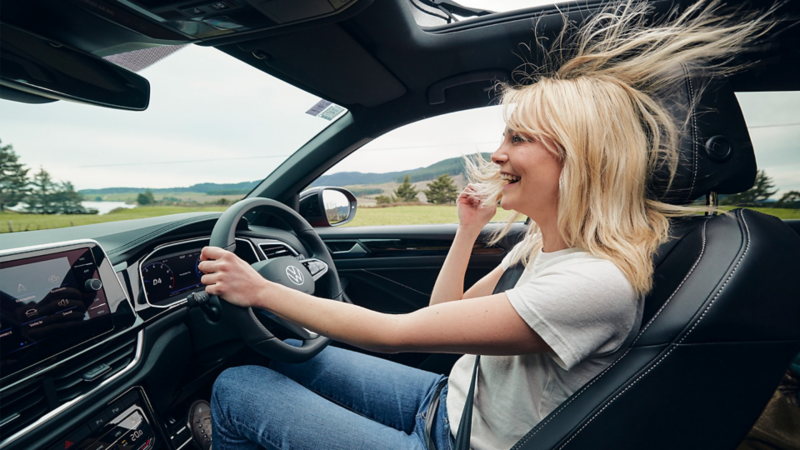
(60, 409)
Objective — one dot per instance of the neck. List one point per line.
(552, 241)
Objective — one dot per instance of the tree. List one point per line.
(406, 191)
(13, 178)
(762, 189)
(442, 190)
(40, 199)
(146, 198)
(65, 200)
(385, 199)
(790, 199)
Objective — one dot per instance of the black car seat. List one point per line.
(720, 327)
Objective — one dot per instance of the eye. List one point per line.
(518, 138)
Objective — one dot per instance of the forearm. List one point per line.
(487, 325)
(344, 322)
(450, 282)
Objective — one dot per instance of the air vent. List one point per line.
(21, 406)
(276, 250)
(88, 371)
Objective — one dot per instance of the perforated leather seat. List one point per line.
(726, 289)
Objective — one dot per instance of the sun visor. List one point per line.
(329, 61)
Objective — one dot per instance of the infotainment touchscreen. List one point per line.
(48, 304)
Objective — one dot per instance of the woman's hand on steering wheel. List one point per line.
(471, 211)
(228, 276)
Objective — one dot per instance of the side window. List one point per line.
(413, 174)
(773, 120)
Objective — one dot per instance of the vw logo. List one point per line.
(295, 275)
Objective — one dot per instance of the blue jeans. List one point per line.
(337, 400)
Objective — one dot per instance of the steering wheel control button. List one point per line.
(200, 421)
(93, 284)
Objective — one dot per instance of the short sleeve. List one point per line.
(581, 307)
(506, 262)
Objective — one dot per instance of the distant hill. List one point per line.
(208, 188)
(452, 166)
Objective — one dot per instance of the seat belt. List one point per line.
(507, 281)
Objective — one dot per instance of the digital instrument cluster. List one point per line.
(171, 272)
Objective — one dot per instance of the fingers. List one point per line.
(212, 253)
(209, 279)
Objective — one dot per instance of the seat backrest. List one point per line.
(720, 326)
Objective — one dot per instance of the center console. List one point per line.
(126, 424)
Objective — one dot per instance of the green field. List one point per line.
(397, 215)
(196, 197)
(412, 215)
(30, 222)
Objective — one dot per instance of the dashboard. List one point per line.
(100, 350)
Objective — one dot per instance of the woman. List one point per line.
(582, 140)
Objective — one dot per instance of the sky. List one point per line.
(215, 119)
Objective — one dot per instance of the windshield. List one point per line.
(215, 127)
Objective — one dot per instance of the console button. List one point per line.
(73, 439)
(93, 284)
(115, 410)
(99, 445)
(98, 422)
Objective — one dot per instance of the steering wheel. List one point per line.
(300, 274)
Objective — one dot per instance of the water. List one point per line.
(106, 207)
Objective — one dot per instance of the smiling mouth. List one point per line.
(511, 179)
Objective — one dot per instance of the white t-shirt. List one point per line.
(587, 312)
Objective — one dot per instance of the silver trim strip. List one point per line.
(173, 244)
(65, 406)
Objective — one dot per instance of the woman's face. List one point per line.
(532, 172)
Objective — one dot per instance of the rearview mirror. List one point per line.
(34, 65)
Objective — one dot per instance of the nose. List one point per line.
(499, 156)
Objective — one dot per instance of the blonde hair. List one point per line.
(616, 66)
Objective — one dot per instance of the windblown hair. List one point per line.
(598, 103)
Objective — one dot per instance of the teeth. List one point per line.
(509, 177)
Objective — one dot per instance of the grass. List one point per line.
(398, 215)
(412, 215)
(31, 222)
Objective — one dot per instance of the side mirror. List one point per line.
(327, 206)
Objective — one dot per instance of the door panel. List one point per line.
(393, 269)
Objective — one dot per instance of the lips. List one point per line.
(510, 178)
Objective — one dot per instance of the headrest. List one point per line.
(716, 154)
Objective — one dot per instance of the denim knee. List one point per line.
(231, 390)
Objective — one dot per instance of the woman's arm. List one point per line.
(486, 325)
(472, 217)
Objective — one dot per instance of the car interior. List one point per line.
(127, 374)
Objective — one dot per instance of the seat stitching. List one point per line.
(585, 387)
(694, 128)
(730, 275)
